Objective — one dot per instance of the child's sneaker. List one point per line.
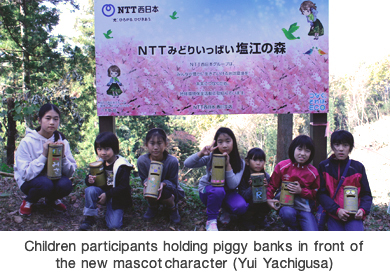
(87, 224)
(211, 225)
(225, 217)
(151, 212)
(57, 205)
(25, 208)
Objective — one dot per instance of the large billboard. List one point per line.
(169, 57)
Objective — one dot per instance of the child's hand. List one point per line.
(145, 185)
(228, 166)
(265, 182)
(45, 146)
(294, 188)
(273, 204)
(160, 190)
(207, 150)
(359, 214)
(102, 198)
(91, 179)
(343, 214)
(250, 182)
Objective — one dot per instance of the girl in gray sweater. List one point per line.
(169, 192)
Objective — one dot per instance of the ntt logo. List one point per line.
(108, 10)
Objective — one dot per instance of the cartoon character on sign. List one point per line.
(114, 72)
(309, 9)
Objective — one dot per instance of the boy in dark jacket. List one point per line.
(116, 194)
(330, 171)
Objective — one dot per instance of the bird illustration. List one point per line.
(321, 52)
(292, 29)
(309, 51)
(173, 16)
(107, 35)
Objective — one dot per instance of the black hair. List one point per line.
(42, 111)
(235, 159)
(253, 154)
(160, 134)
(342, 136)
(107, 139)
(301, 141)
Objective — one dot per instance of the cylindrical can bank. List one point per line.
(54, 161)
(286, 198)
(351, 199)
(218, 170)
(97, 169)
(154, 179)
(259, 191)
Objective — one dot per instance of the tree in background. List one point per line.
(33, 71)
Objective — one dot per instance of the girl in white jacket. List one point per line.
(31, 158)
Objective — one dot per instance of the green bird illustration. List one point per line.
(292, 29)
(107, 35)
(173, 16)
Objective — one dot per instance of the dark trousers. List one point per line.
(216, 197)
(43, 187)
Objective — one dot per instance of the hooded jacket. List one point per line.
(29, 161)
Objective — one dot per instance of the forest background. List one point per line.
(39, 66)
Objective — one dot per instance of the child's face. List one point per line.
(156, 147)
(225, 143)
(255, 165)
(301, 154)
(306, 12)
(113, 74)
(341, 150)
(106, 153)
(49, 122)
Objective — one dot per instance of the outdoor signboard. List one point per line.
(169, 57)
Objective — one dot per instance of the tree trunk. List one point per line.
(11, 132)
(318, 134)
(25, 58)
(285, 131)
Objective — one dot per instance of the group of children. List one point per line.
(309, 186)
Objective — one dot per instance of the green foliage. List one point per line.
(182, 145)
(131, 131)
(6, 168)
(35, 71)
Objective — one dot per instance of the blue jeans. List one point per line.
(216, 197)
(114, 218)
(350, 225)
(43, 187)
(297, 219)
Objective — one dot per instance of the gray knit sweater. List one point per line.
(170, 174)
